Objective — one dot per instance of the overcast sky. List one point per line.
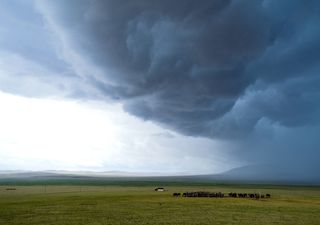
(159, 86)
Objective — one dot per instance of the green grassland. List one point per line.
(140, 204)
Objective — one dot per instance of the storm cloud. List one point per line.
(204, 68)
(212, 84)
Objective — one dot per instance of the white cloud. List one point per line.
(59, 134)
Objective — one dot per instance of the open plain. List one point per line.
(138, 203)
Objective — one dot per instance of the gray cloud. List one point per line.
(29, 64)
(21, 28)
(190, 65)
(221, 69)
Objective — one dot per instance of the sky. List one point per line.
(184, 87)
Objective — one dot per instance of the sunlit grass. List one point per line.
(57, 204)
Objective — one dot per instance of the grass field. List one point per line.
(110, 204)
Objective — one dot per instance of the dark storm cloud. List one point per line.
(204, 68)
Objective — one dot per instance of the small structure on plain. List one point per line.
(159, 189)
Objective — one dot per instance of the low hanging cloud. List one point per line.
(206, 68)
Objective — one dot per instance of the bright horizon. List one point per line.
(56, 134)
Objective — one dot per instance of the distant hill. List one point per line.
(63, 173)
(270, 174)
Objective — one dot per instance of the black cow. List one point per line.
(268, 195)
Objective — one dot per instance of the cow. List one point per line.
(220, 195)
(240, 195)
(176, 194)
(268, 195)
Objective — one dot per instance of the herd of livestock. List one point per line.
(221, 195)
